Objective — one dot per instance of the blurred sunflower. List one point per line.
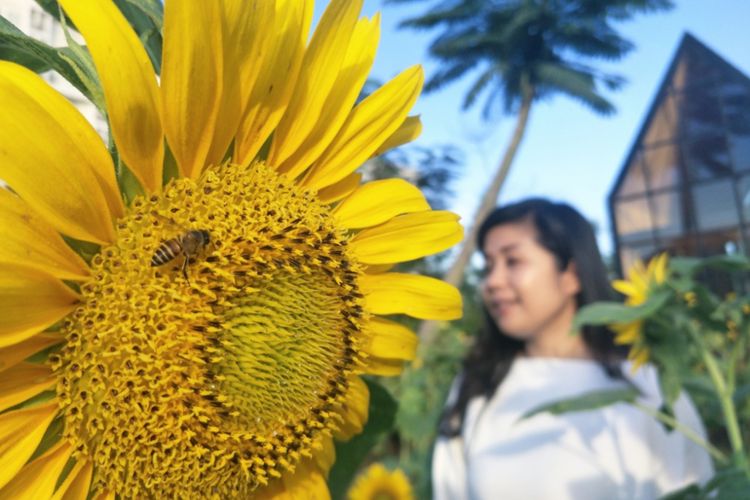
(206, 338)
(641, 283)
(377, 483)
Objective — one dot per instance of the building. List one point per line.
(685, 184)
(27, 16)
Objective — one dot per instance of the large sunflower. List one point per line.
(642, 280)
(205, 338)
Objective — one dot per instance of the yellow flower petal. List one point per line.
(627, 333)
(247, 34)
(29, 239)
(14, 354)
(30, 301)
(384, 367)
(69, 179)
(659, 270)
(307, 482)
(391, 340)
(271, 92)
(639, 356)
(38, 478)
(417, 296)
(407, 132)
(378, 201)
(407, 237)
(356, 65)
(369, 124)
(129, 85)
(22, 382)
(105, 495)
(327, 455)
(355, 410)
(20, 434)
(341, 189)
(191, 84)
(76, 485)
(626, 288)
(320, 70)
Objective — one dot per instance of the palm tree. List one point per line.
(524, 51)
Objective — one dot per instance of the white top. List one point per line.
(616, 452)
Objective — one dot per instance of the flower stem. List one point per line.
(685, 430)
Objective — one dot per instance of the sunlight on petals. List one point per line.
(20, 434)
(417, 296)
(341, 189)
(38, 478)
(392, 340)
(407, 132)
(379, 201)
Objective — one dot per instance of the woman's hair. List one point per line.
(570, 238)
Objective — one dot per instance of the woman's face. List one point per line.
(523, 289)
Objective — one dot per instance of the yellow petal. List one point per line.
(627, 333)
(53, 158)
(326, 456)
(407, 132)
(30, 240)
(626, 288)
(659, 270)
(391, 340)
(191, 84)
(354, 410)
(378, 201)
(306, 482)
(30, 301)
(384, 367)
(369, 124)
(417, 296)
(20, 434)
(38, 478)
(407, 237)
(341, 189)
(129, 85)
(356, 65)
(105, 495)
(277, 75)
(14, 354)
(246, 36)
(76, 485)
(22, 382)
(320, 69)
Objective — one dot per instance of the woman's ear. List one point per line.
(570, 282)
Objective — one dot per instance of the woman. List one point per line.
(542, 264)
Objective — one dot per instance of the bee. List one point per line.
(187, 244)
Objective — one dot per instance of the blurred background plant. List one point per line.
(697, 338)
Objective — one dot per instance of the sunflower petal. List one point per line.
(22, 382)
(69, 180)
(383, 367)
(355, 409)
(271, 91)
(391, 340)
(356, 65)
(341, 189)
(30, 301)
(407, 132)
(14, 354)
(369, 124)
(129, 85)
(378, 201)
(20, 434)
(29, 239)
(407, 237)
(76, 485)
(191, 84)
(417, 296)
(38, 478)
(626, 288)
(320, 69)
(327, 455)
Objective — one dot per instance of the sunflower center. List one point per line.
(214, 342)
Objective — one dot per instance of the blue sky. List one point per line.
(569, 153)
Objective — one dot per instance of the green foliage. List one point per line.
(589, 401)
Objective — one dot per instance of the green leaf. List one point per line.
(589, 401)
(147, 18)
(350, 455)
(16, 46)
(691, 265)
(606, 313)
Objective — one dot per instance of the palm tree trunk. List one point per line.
(455, 273)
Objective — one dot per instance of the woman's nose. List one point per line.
(496, 278)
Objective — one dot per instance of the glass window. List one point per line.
(666, 213)
(662, 125)
(735, 100)
(629, 253)
(635, 178)
(633, 220)
(715, 205)
(662, 166)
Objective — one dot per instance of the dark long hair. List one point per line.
(570, 238)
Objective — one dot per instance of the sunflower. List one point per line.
(377, 483)
(642, 281)
(198, 330)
